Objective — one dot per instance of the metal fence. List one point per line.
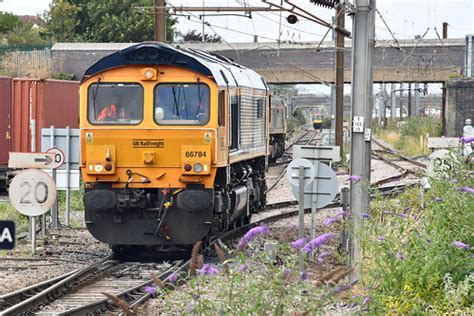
(33, 63)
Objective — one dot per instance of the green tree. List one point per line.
(103, 21)
(7, 22)
(25, 34)
(194, 36)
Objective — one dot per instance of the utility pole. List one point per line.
(360, 148)
(203, 37)
(340, 22)
(160, 21)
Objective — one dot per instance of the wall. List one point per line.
(459, 105)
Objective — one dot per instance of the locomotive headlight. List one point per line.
(187, 167)
(197, 167)
(148, 74)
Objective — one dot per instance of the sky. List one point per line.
(405, 18)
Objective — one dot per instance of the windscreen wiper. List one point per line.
(173, 89)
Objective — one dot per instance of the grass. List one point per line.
(8, 212)
(405, 135)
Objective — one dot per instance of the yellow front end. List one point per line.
(149, 168)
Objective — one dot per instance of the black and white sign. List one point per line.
(358, 124)
(7, 235)
(32, 192)
(58, 157)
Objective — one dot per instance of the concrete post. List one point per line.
(360, 102)
(401, 101)
(410, 109)
(393, 98)
(416, 110)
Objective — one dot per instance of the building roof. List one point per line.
(33, 19)
(223, 70)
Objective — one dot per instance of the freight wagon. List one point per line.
(27, 106)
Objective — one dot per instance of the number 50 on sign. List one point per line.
(32, 192)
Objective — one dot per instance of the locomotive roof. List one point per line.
(223, 70)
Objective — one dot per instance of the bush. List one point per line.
(253, 282)
(417, 254)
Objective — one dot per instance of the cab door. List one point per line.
(234, 122)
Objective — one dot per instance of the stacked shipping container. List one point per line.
(28, 105)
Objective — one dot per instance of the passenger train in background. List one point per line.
(175, 144)
(318, 121)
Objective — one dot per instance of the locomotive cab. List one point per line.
(157, 159)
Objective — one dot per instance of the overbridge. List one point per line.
(432, 60)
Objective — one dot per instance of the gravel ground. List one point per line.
(69, 249)
(64, 250)
(314, 270)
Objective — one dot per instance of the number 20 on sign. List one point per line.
(32, 192)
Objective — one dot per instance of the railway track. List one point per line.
(417, 170)
(80, 292)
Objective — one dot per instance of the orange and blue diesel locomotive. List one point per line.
(174, 145)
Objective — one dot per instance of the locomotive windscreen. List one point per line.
(115, 103)
(182, 104)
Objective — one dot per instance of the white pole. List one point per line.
(301, 214)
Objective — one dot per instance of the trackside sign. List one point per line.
(7, 235)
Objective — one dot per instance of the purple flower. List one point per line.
(330, 220)
(303, 276)
(208, 269)
(342, 214)
(298, 244)
(467, 139)
(365, 215)
(251, 234)
(439, 200)
(366, 300)
(454, 181)
(400, 256)
(286, 273)
(466, 189)
(316, 242)
(323, 255)
(459, 244)
(401, 215)
(428, 240)
(242, 268)
(150, 290)
(388, 212)
(381, 238)
(173, 277)
(354, 178)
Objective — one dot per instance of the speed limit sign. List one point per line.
(32, 192)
